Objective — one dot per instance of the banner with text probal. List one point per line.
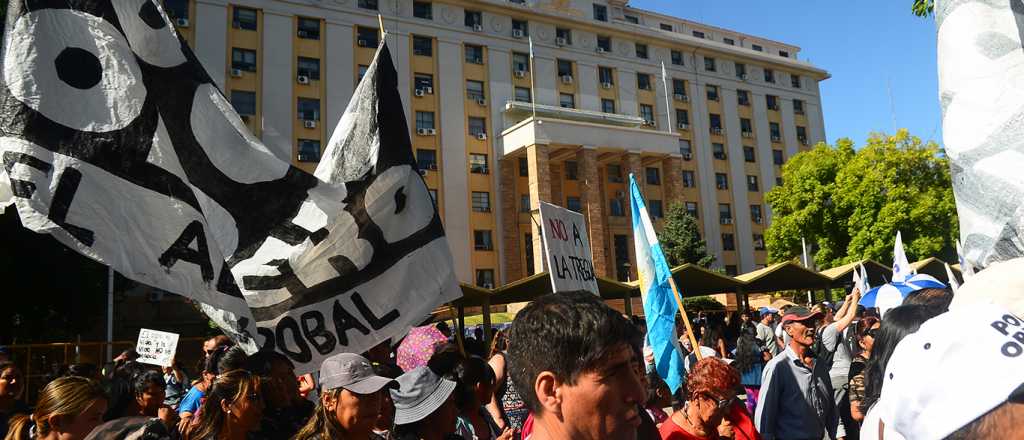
(567, 247)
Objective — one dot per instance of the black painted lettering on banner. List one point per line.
(321, 339)
(344, 321)
(63, 196)
(577, 238)
(375, 322)
(23, 188)
(286, 326)
(182, 249)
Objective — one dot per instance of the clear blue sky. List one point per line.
(864, 45)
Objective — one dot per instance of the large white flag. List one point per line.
(115, 140)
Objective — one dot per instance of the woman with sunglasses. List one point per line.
(711, 410)
(232, 409)
(866, 330)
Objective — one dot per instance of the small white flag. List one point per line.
(953, 283)
(900, 266)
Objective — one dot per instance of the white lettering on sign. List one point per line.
(568, 249)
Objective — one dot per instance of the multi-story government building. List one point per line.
(739, 106)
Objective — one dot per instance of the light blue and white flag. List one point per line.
(900, 266)
(660, 306)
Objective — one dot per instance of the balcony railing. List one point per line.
(549, 111)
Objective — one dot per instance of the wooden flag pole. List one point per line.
(686, 319)
(458, 333)
(380, 20)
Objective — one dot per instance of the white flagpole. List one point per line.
(668, 103)
(533, 94)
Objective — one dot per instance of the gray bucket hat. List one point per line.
(420, 393)
(352, 372)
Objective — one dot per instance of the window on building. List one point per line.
(567, 100)
(712, 92)
(666, 27)
(724, 213)
(743, 97)
(478, 164)
(685, 148)
(481, 201)
(643, 81)
(472, 19)
(523, 94)
(520, 62)
(308, 28)
(524, 167)
(564, 68)
(524, 203)
(801, 134)
(776, 132)
(563, 35)
(798, 106)
(424, 10)
(731, 270)
(368, 4)
(689, 179)
(309, 109)
(244, 18)
(528, 252)
(777, 157)
(477, 126)
(422, 46)
(176, 8)
(485, 277)
(752, 185)
(691, 208)
(309, 150)
(423, 81)
(604, 43)
(474, 90)
(721, 181)
(677, 58)
(678, 87)
(308, 67)
(746, 126)
(361, 72)
(794, 80)
(617, 207)
(573, 203)
(426, 159)
(729, 41)
(772, 102)
(614, 173)
(698, 34)
(728, 242)
(522, 26)
(474, 54)
(718, 150)
(682, 116)
(641, 51)
(424, 120)
(572, 170)
(741, 71)
(632, 19)
(783, 54)
(748, 154)
(653, 175)
(243, 59)
(709, 64)
(608, 105)
(769, 76)
(621, 246)
(757, 47)
(482, 240)
(758, 242)
(367, 36)
(244, 102)
(715, 121)
(755, 214)
(654, 209)
(600, 12)
(605, 75)
(647, 112)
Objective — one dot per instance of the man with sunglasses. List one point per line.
(796, 394)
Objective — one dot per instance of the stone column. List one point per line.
(592, 201)
(513, 269)
(632, 165)
(540, 190)
(672, 167)
(557, 195)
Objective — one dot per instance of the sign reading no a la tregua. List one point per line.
(156, 347)
(570, 262)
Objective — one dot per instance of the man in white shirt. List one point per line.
(765, 334)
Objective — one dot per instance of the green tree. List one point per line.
(849, 204)
(923, 8)
(680, 239)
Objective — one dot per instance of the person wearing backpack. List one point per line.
(834, 355)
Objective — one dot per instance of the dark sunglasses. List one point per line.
(871, 332)
(720, 404)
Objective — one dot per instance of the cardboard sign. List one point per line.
(156, 347)
(567, 248)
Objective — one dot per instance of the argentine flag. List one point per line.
(659, 303)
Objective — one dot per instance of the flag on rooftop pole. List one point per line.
(900, 266)
(533, 95)
(118, 143)
(668, 103)
(660, 307)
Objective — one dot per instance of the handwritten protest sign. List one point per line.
(156, 347)
(568, 249)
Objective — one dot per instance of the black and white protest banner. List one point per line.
(116, 141)
(567, 248)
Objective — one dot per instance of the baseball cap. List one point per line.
(957, 367)
(352, 372)
(420, 393)
(799, 313)
(767, 311)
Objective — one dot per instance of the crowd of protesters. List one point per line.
(569, 367)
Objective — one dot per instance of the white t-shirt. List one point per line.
(869, 427)
(692, 358)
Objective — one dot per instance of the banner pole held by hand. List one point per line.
(686, 319)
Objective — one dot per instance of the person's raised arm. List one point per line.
(497, 363)
(848, 312)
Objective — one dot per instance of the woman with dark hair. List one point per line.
(897, 323)
(867, 328)
(286, 411)
(190, 404)
(474, 422)
(749, 362)
(711, 410)
(506, 406)
(11, 388)
(232, 408)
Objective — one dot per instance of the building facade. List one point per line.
(495, 131)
